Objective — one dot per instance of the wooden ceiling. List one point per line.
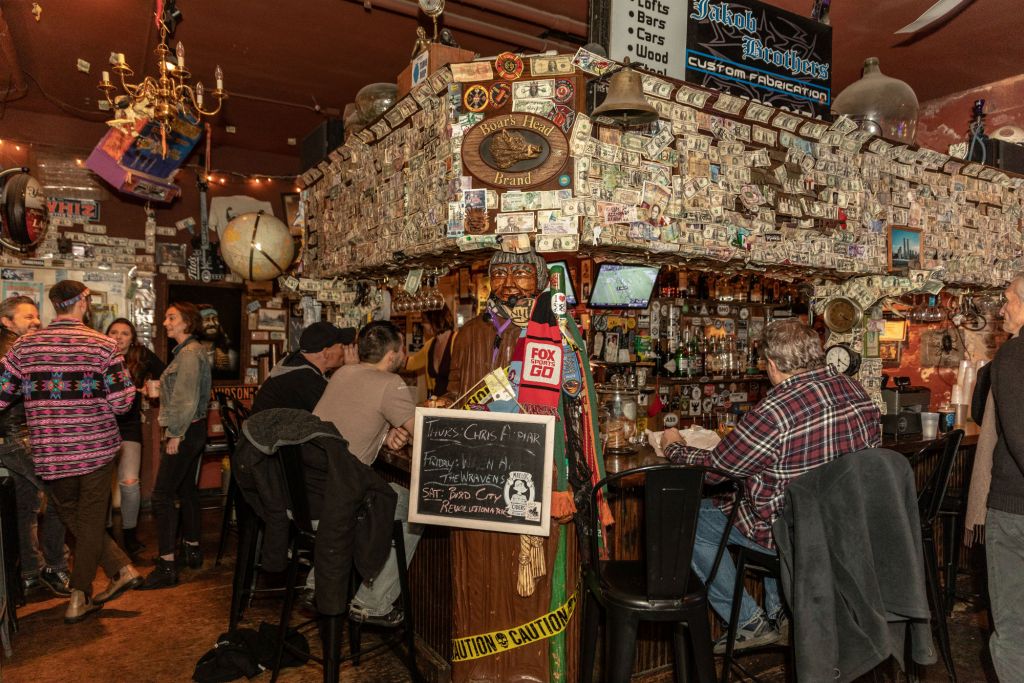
(289, 63)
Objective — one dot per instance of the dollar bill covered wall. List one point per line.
(500, 154)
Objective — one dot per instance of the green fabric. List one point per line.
(556, 644)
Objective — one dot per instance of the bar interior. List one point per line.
(671, 343)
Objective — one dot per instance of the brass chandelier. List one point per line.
(164, 97)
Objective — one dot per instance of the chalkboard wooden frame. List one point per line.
(476, 504)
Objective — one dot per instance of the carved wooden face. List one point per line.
(513, 281)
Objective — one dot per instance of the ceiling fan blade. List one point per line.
(936, 12)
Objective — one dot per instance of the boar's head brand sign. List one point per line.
(515, 150)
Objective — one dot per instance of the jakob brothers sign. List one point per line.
(514, 150)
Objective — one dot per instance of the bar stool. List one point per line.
(939, 455)
(231, 415)
(762, 565)
(10, 561)
(301, 551)
(661, 586)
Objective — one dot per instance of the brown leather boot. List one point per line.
(79, 607)
(126, 579)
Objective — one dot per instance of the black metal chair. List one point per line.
(659, 587)
(939, 456)
(301, 552)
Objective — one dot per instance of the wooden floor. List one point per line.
(157, 636)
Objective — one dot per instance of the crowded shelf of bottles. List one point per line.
(693, 355)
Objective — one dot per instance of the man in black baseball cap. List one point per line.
(300, 378)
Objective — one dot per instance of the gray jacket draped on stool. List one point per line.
(353, 503)
(849, 539)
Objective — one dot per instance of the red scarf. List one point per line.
(540, 350)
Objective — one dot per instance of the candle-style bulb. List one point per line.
(180, 51)
(219, 75)
(106, 77)
(199, 93)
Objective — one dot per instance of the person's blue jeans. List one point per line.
(711, 524)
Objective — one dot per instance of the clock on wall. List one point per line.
(843, 358)
(842, 314)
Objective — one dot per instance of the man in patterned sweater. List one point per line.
(73, 382)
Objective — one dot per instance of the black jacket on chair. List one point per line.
(355, 506)
(852, 564)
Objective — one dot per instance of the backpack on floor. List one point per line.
(245, 652)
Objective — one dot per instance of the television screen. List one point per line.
(621, 286)
(570, 291)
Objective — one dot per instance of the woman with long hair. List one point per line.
(435, 358)
(184, 396)
(142, 365)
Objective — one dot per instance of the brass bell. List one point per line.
(625, 103)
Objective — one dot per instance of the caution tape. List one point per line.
(541, 628)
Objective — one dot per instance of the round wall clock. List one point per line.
(843, 358)
(432, 8)
(842, 314)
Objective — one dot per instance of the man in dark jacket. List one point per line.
(43, 560)
(1004, 535)
(299, 380)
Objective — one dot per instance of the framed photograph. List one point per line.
(258, 335)
(889, 352)
(904, 248)
(257, 350)
(171, 254)
(272, 319)
(33, 290)
(290, 204)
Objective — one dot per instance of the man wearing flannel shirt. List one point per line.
(811, 416)
(73, 382)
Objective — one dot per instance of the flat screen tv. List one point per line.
(618, 285)
(570, 291)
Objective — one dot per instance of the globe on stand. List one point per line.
(257, 246)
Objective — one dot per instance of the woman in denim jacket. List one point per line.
(184, 395)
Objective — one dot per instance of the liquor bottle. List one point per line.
(696, 355)
(691, 286)
(755, 290)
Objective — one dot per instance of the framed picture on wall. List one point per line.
(904, 248)
(33, 290)
(272, 319)
(889, 352)
(290, 204)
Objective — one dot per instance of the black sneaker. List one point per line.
(164, 575)
(758, 632)
(57, 580)
(392, 619)
(193, 556)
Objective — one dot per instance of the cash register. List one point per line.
(903, 406)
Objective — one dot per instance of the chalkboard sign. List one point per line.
(480, 470)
